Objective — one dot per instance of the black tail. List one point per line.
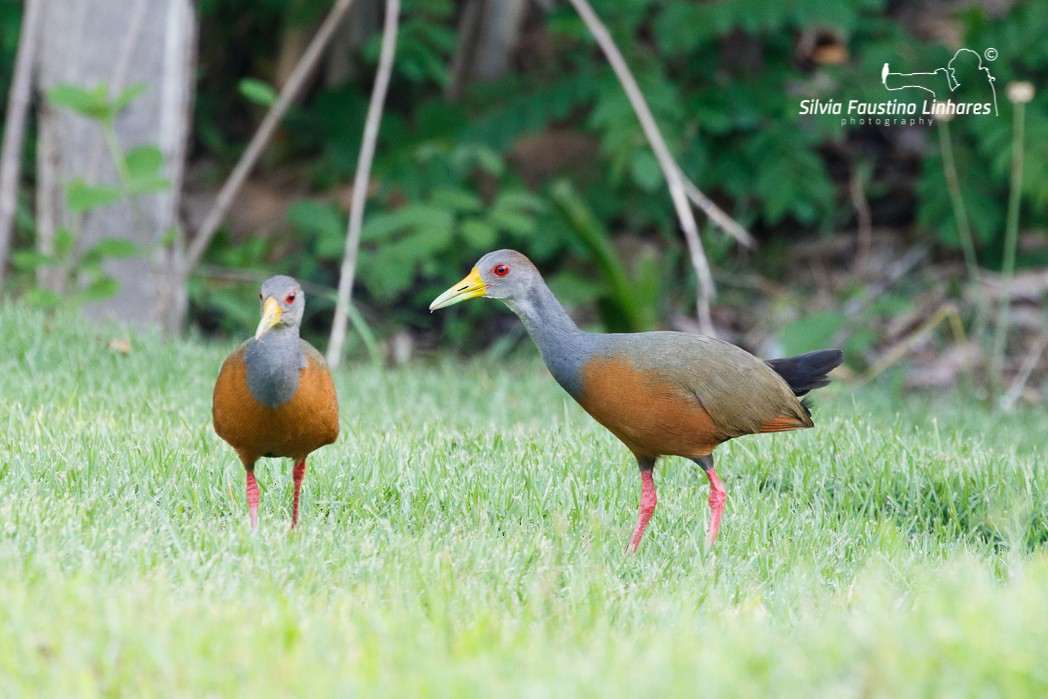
(806, 372)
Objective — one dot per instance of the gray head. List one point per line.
(503, 274)
(508, 275)
(283, 304)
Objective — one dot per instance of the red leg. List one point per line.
(252, 499)
(297, 474)
(717, 497)
(648, 500)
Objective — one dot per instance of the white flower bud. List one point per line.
(1020, 92)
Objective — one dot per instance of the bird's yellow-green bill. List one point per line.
(469, 288)
(271, 315)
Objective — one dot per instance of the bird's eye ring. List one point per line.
(290, 298)
(500, 270)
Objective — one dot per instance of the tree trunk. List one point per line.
(119, 43)
(488, 33)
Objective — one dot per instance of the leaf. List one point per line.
(101, 289)
(478, 233)
(121, 345)
(143, 164)
(513, 221)
(590, 232)
(43, 298)
(380, 226)
(314, 216)
(676, 27)
(81, 196)
(573, 289)
(367, 335)
(171, 236)
(64, 242)
(645, 171)
(112, 248)
(30, 260)
(256, 91)
(521, 199)
(125, 97)
(389, 270)
(324, 222)
(512, 211)
(152, 183)
(461, 200)
(490, 161)
(93, 103)
(433, 222)
(143, 161)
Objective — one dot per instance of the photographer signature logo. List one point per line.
(964, 80)
(964, 86)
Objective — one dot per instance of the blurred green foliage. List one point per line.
(138, 172)
(724, 81)
(982, 147)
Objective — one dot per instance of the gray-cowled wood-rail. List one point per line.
(274, 396)
(660, 393)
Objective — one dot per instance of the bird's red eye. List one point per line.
(500, 270)
(290, 298)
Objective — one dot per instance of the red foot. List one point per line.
(252, 500)
(297, 474)
(717, 497)
(648, 500)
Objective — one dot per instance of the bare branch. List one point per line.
(670, 170)
(258, 143)
(1015, 392)
(862, 214)
(360, 181)
(14, 127)
(718, 215)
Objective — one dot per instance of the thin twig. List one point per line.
(360, 181)
(1015, 391)
(47, 189)
(854, 307)
(896, 270)
(964, 229)
(947, 312)
(862, 215)
(14, 127)
(670, 170)
(1011, 239)
(258, 143)
(718, 215)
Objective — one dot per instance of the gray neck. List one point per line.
(562, 345)
(274, 363)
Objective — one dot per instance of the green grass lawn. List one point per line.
(465, 537)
